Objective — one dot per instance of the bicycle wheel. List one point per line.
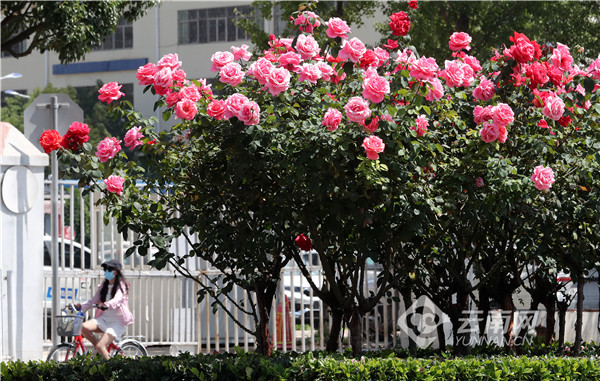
(62, 352)
(131, 349)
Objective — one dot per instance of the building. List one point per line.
(192, 29)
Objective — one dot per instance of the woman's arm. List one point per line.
(95, 299)
(117, 300)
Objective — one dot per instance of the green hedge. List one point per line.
(307, 367)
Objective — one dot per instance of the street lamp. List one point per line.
(11, 75)
(12, 92)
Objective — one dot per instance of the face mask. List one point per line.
(109, 275)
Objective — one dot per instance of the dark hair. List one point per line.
(118, 279)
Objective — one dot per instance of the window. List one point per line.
(19, 47)
(122, 38)
(201, 26)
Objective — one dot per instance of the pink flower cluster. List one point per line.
(241, 107)
(307, 21)
(495, 119)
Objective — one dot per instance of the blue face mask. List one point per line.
(109, 275)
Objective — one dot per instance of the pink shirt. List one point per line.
(120, 303)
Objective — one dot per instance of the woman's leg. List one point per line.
(87, 330)
(103, 343)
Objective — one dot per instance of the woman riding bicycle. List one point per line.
(113, 314)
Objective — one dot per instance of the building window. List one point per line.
(122, 38)
(200, 26)
(19, 47)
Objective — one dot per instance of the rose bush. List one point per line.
(331, 144)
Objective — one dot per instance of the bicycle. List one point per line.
(69, 325)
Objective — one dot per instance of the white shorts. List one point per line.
(113, 328)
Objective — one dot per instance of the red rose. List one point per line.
(50, 140)
(537, 73)
(369, 59)
(413, 4)
(399, 24)
(524, 50)
(304, 242)
(77, 134)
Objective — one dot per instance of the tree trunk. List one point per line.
(579, 321)
(263, 346)
(407, 298)
(355, 326)
(336, 328)
(484, 306)
(461, 338)
(550, 318)
(562, 313)
(508, 305)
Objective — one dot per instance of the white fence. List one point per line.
(165, 304)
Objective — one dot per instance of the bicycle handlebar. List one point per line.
(72, 307)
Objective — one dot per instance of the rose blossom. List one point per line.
(220, 59)
(542, 177)
(483, 114)
(594, 69)
(169, 60)
(337, 27)
(133, 138)
(178, 77)
(561, 57)
(503, 114)
(459, 41)
(231, 74)
(114, 184)
(186, 109)
(108, 148)
(110, 92)
(554, 107)
(310, 73)
(304, 242)
(424, 69)
(163, 77)
(278, 81)
(523, 50)
(479, 182)
(145, 74)
(241, 53)
(485, 90)
(473, 62)
(307, 21)
(352, 49)
(290, 61)
(172, 99)
(216, 109)
(326, 70)
(421, 125)
(77, 134)
(307, 46)
(332, 119)
(373, 146)
(234, 103)
(537, 73)
(405, 59)
(413, 4)
(368, 60)
(435, 90)
(458, 73)
(372, 126)
(492, 132)
(357, 109)
(190, 92)
(375, 88)
(249, 113)
(382, 55)
(50, 140)
(399, 24)
(260, 70)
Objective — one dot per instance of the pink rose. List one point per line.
(537, 73)
(307, 46)
(278, 81)
(502, 114)
(260, 69)
(145, 74)
(216, 109)
(492, 132)
(406, 58)
(310, 73)
(241, 53)
(190, 92)
(220, 59)
(169, 60)
(249, 113)
(332, 119)
(561, 57)
(352, 50)
(375, 88)
(554, 107)
(373, 146)
(133, 138)
(483, 114)
(186, 109)
(164, 78)
(114, 184)
(479, 182)
(110, 92)
(307, 21)
(424, 69)
(594, 69)
(459, 41)
(382, 55)
(435, 90)
(473, 62)
(357, 109)
(108, 148)
(542, 177)
(178, 77)
(458, 73)
(172, 99)
(231, 74)
(372, 126)
(326, 71)
(234, 103)
(337, 27)
(485, 90)
(290, 61)
(399, 24)
(421, 125)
